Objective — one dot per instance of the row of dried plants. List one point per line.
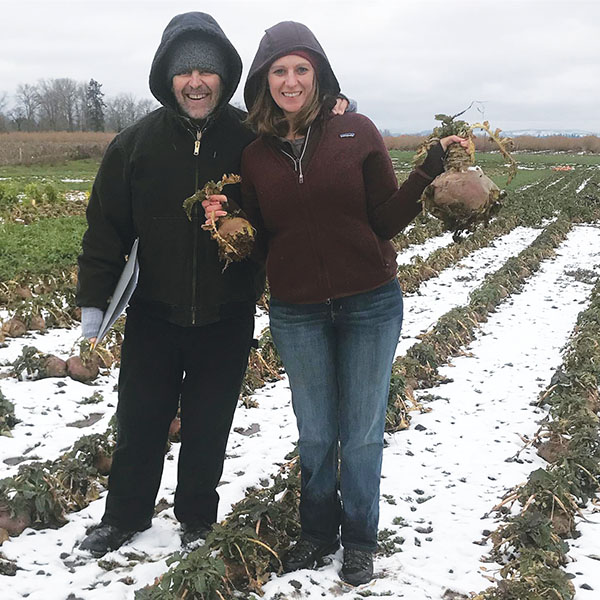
(530, 546)
(419, 367)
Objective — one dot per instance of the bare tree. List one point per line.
(124, 110)
(3, 117)
(24, 115)
(58, 99)
(144, 107)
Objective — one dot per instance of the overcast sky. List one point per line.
(529, 64)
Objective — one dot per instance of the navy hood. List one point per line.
(191, 24)
(282, 39)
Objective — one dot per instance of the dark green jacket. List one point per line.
(147, 172)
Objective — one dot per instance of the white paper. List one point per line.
(123, 292)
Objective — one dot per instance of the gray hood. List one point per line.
(202, 25)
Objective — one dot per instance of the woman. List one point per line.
(322, 193)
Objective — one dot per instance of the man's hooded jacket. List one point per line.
(147, 172)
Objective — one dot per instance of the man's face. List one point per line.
(197, 93)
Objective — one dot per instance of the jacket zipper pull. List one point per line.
(197, 143)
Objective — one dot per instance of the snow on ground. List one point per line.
(452, 287)
(424, 249)
(440, 477)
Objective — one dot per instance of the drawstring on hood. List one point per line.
(286, 38)
(190, 25)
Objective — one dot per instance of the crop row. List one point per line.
(530, 546)
(528, 207)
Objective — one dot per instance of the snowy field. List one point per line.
(441, 477)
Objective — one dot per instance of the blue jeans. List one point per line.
(338, 356)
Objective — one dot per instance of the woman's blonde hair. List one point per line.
(266, 118)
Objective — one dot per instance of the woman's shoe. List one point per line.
(357, 567)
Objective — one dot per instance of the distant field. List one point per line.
(56, 147)
(78, 175)
(531, 165)
(48, 147)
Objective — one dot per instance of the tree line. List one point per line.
(64, 104)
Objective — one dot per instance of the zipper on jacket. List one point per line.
(298, 161)
(197, 151)
(195, 221)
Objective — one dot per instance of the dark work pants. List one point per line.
(164, 366)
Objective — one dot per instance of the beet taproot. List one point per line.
(103, 462)
(14, 328)
(14, 524)
(235, 238)
(80, 370)
(233, 233)
(461, 199)
(463, 196)
(37, 323)
(54, 366)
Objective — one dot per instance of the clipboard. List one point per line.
(122, 294)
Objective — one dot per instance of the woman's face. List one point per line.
(291, 83)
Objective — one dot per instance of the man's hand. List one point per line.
(213, 208)
(340, 107)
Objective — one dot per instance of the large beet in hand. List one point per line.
(461, 199)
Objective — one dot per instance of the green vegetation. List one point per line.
(57, 174)
(7, 415)
(41, 248)
(41, 494)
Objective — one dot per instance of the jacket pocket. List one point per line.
(166, 259)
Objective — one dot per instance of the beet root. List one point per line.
(14, 328)
(462, 199)
(54, 366)
(103, 462)
(13, 524)
(37, 323)
(81, 370)
(235, 238)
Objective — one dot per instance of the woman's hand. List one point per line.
(213, 207)
(454, 139)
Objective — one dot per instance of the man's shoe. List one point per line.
(193, 533)
(104, 538)
(357, 567)
(305, 554)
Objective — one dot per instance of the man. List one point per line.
(190, 323)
